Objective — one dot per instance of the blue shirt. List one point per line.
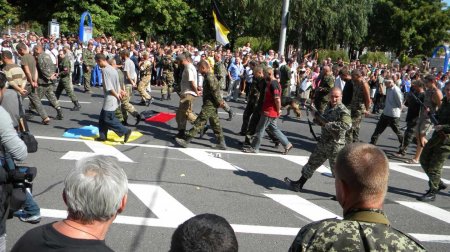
(236, 71)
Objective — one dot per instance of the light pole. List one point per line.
(284, 23)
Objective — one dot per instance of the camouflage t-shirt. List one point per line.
(353, 234)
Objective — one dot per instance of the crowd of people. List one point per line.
(339, 95)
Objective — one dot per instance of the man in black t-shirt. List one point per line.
(95, 192)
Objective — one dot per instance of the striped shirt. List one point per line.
(15, 75)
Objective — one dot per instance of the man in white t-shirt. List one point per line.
(189, 91)
(130, 78)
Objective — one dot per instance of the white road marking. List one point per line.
(411, 172)
(66, 101)
(161, 203)
(98, 149)
(221, 112)
(239, 228)
(208, 159)
(428, 209)
(302, 160)
(415, 165)
(303, 207)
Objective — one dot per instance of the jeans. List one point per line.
(270, 122)
(233, 89)
(109, 121)
(30, 207)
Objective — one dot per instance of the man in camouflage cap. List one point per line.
(322, 91)
(221, 75)
(167, 75)
(361, 182)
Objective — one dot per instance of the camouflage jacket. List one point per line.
(285, 76)
(145, 69)
(443, 116)
(88, 58)
(211, 91)
(361, 230)
(45, 68)
(326, 84)
(220, 72)
(64, 68)
(357, 103)
(339, 121)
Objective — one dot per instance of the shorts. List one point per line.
(424, 125)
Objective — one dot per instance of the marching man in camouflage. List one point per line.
(65, 80)
(212, 100)
(362, 172)
(322, 91)
(221, 75)
(88, 65)
(285, 81)
(46, 75)
(335, 122)
(145, 67)
(167, 76)
(437, 150)
(359, 106)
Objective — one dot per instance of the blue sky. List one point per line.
(447, 1)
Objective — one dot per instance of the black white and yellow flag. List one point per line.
(220, 26)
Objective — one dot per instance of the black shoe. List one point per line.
(204, 130)
(100, 139)
(125, 123)
(242, 133)
(127, 136)
(76, 106)
(442, 186)
(59, 115)
(148, 102)
(427, 197)
(143, 103)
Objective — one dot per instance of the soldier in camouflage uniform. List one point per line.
(359, 106)
(65, 82)
(252, 100)
(285, 81)
(221, 75)
(130, 82)
(437, 150)
(88, 65)
(211, 101)
(335, 122)
(322, 91)
(361, 182)
(145, 67)
(46, 75)
(167, 75)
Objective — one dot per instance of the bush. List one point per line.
(333, 54)
(257, 44)
(372, 57)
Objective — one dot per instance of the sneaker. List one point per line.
(249, 150)
(35, 219)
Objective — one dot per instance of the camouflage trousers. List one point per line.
(323, 151)
(125, 105)
(208, 112)
(249, 110)
(47, 90)
(142, 87)
(432, 159)
(65, 84)
(352, 135)
(167, 87)
(35, 101)
(87, 78)
(184, 112)
(320, 104)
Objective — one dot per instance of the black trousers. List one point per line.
(382, 124)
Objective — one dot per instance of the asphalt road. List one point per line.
(168, 184)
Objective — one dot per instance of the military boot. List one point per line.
(183, 142)
(59, 114)
(180, 134)
(296, 185)
(168, 96)
(430, 195)
(204, 130)
(442, 186)
(221, 145)
(138, 117)
(76, 106)
(231, 114)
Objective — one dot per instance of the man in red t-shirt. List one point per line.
(271, 110)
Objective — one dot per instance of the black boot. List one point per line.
(59, 115)
(76, 106)
(428, 196)
(138, 117)
(204, 130)
(180, 134)
(168, 96)
(296, 185)
(231, 114)
(442, 186)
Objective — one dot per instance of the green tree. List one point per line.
(8, 12)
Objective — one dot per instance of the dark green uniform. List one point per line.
(285, 81)
(46, 69)
(88, 65)
(437, 149)
(64, 81)
(252, 103)
(220, 72)
(360, 230)
(167, 78)
(211, 101)
(321, 94)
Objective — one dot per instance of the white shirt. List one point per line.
(339, 83)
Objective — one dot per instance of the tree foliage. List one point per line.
(405, 26)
